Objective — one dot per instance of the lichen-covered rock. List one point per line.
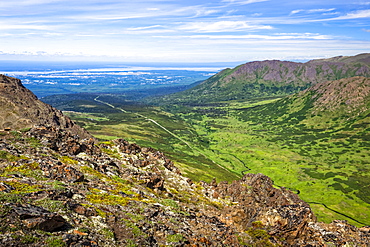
(62, 172)
(34, 217)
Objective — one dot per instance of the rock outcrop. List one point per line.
(21, 109)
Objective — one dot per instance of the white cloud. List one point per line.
(320, 10)
(6, 4)
(276, 36)
(155, 29)
(143, 28)
(293, 12)
(310, 11)
(205, 12)
(242, 2)
(257, 14)
(355, 15)
(23, 27)
(331, 13)
(363, 3)
(221, 26)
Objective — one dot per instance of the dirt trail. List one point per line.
(161, 126)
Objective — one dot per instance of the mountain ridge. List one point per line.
(22, 109)
(271, 78)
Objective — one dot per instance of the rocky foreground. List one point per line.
(58, 190)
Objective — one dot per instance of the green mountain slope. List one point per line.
(327, 126)
(315, 142)
(263, 79)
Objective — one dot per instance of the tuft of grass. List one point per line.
(28, 170)
(170, 203)
(10, 157)
(23, 187)
(68, 160)
(175, 238)
(54, 241)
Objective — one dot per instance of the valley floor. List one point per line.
(327, 167)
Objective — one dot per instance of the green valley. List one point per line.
(315, 142)
(325, 166)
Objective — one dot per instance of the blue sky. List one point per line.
(183, 31)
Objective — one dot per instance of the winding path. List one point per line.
(161, 126)
(146, 118)
(335, 211)
(245, 165)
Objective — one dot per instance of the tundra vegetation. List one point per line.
(322, 158)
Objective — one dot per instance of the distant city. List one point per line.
(46, 79)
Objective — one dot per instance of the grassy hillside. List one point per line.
(315, 142)
(135, 123)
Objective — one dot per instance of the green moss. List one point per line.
(107, 199)
(112, 153)
(68, 160)
(107, 233)
(25, 239)
(173, 191)
(55, 242)
(170, 203)
(259, 236)
(10, 198)
(101, 213)
(8, 156)
(23, 187)
(25, 130)
(135, 217)
(92, 172)
(134, 228)
(33, 142)
(51, 205)
(57, 185)
(29, 170)
(17, 135)
(130, 243)
(174, 238)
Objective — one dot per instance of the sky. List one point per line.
(182, 31)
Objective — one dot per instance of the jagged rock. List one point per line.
(62, 172)
(6, 187)
(78, 208)
(155, 182)
(35, 217)
(78, 241)
(126, 147)
(23, 110)
(63, 141)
